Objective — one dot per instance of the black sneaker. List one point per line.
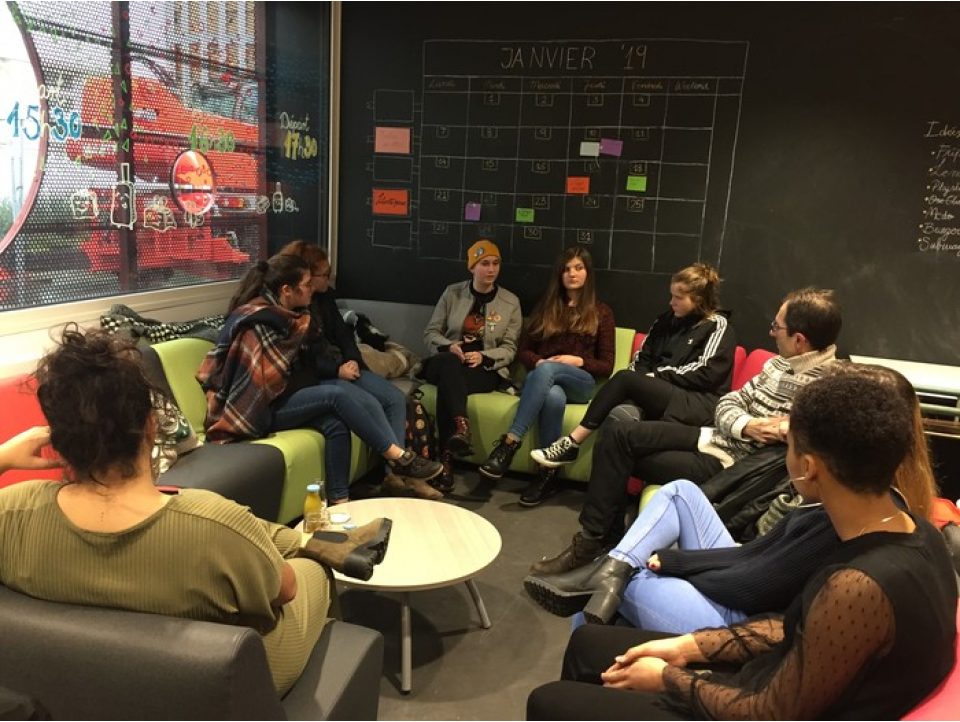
(415, 467)
(562, 451)
(541, 488)
(499, 460)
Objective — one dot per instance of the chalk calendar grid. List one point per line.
(505, 124)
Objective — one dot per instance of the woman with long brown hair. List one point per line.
(680, 372)
(568, 344)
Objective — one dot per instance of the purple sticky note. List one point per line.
(609, 146)
(472, 212)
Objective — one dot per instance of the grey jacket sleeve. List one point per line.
(503, 349)
(435, 334)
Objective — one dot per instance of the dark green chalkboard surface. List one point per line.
(792, 144)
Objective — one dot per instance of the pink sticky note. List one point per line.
(609, 146)
(472, 212)
(392, 140)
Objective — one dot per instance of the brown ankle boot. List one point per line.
(353, 553)
(459, 443)
(397, 485)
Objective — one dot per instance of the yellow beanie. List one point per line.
(480, 250)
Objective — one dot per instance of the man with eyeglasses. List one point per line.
(805, 330)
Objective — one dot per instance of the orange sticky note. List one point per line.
(390, 202)
(578, 184)
(392, 140)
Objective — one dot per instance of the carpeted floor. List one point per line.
(460, 670)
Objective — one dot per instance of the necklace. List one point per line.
(882, 521)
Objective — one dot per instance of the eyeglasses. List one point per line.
(321, 275)
(774, 326)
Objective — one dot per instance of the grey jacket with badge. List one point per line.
(502, 324)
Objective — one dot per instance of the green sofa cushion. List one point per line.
(491, 414)
(302, 448)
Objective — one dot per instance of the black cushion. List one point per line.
(249, 474)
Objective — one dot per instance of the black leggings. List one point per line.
(580, 694)
(454, 383)
(651, 394)
(660, 451)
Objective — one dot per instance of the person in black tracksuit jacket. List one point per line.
(683, 368)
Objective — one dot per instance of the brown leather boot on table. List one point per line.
(353, 553)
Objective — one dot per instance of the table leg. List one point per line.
(478, 601)
(406, 645)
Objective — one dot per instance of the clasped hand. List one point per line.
(349, 371)
(563, 358)
(641, 667)
(467, 358)
(770, 430)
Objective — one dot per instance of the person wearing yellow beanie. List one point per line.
(472, 336)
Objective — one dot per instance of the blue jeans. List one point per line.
(545, 393)
(677, 514)
(391, 399)
(335, 408)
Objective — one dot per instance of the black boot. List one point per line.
(596, 588)
(444, 482)
(542, 488)
(499, 460)
(460, 442)
(581, 552)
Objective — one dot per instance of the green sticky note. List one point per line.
(524, 215)
(637, 183)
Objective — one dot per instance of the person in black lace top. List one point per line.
(871, 634)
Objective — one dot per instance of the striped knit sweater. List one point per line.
(769, 393)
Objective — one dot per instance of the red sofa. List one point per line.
(21, 410)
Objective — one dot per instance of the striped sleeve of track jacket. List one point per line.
(710, 370)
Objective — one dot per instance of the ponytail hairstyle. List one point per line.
(311, 253)
(553, 315)
(95, 395)
(273, 274)
(702, 282)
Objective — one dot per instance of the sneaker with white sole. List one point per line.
(562, 451)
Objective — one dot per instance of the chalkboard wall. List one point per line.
(792, 144)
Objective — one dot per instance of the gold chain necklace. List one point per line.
(882, 521)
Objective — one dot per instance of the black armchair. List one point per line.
(94, 663)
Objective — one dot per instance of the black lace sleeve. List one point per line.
(740, 642)
(850, 621)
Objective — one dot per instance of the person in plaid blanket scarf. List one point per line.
(261, 376)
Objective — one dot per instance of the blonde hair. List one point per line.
(702, 282)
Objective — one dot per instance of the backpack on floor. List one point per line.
(421, 436)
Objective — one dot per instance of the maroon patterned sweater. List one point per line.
(597, 351)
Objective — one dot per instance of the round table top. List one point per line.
(432, 544)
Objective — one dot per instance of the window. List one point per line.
(99, 101)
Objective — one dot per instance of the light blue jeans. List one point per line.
(546, 390)
(335, 408)
(677, 514)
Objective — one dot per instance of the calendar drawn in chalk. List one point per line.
(624, 146)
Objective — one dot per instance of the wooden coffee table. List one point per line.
(432, 544)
